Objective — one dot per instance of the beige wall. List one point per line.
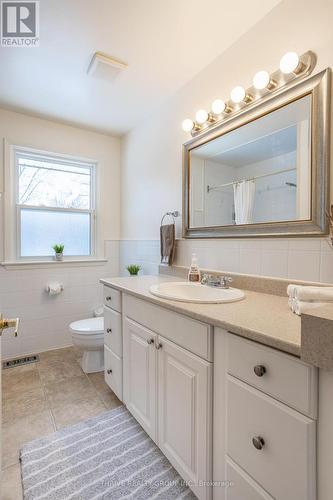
(44, 319)
(151, 168)
(25, 130)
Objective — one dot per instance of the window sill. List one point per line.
(32, 264)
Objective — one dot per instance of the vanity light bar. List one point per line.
(291, 67)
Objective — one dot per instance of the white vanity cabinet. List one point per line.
(168, 388)
(224, 410)
(268, 409)
(113, 341)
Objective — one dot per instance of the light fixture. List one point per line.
(219, 107)
(238, 94)
(201, 116)
(290, 63)
(262, 80)
(187, 125)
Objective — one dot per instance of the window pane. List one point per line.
(50, 184)
(40, 230)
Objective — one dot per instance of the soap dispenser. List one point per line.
(194, 272)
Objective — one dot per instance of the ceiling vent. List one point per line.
(104, 66)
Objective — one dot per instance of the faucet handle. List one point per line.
(205, 278)
(9, 323)
(225, 281)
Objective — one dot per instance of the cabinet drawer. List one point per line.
(112, 331)
(112, 298)
(113, 372)
(280, 375)
(285, 466)
(242, 486)
(193, 335)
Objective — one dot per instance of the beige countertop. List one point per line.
(261, 317)
(317, 337)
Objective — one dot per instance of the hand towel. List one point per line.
(168, 241)
(314, 293)
(300, 307)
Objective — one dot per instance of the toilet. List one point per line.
(88, 336)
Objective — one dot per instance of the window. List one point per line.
(55, 202)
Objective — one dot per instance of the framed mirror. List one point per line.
(265, 171)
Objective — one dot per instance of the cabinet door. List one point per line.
(139, 358)
(271, 441)
(185, 413)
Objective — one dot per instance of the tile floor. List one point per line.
(39, 398)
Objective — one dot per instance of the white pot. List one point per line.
(59, 256)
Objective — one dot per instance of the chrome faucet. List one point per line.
(216, 281)
(9, 323)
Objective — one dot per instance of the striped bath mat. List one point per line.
(107, 457)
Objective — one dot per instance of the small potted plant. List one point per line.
(133, 269)
(59, 251)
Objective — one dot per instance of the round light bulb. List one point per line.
(238, 94)
(261, 80)
(218, 106)
(201, 116)
(187, 125)
(289, 62)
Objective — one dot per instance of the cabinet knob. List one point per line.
(150, 341)
(159, 346)
(109, 330)
(108, 298)
(109, 371)
(259, 370)
(258, 442)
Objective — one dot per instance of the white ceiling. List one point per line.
(164, 42)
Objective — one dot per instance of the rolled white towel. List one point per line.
(291, 290)
(314, 293)
(302, 307)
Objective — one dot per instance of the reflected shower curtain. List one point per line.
(244, 200)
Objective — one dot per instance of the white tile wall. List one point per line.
(146, 253)
(294, 258)
(44, 318)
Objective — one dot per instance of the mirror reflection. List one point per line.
(258, 173)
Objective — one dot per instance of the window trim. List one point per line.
(16, 208)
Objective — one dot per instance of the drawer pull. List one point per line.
(258, 442)
(259, 370)
(150, 341)
(159, 346)
(108, 298)
(109, 330)
(109, 371)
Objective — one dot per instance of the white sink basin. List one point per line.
(183, 291)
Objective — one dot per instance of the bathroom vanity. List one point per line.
(222, 391)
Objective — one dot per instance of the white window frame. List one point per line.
(61, 159)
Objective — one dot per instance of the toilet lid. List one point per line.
(88, 326)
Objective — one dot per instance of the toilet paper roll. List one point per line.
(54, 288)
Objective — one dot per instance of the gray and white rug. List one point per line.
(106, 457)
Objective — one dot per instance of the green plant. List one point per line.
(58, 248)
(133, 269)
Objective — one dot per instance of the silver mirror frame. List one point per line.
(319, 87)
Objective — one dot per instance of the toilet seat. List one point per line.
(89, 326)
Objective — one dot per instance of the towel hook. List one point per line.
(174, 214)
